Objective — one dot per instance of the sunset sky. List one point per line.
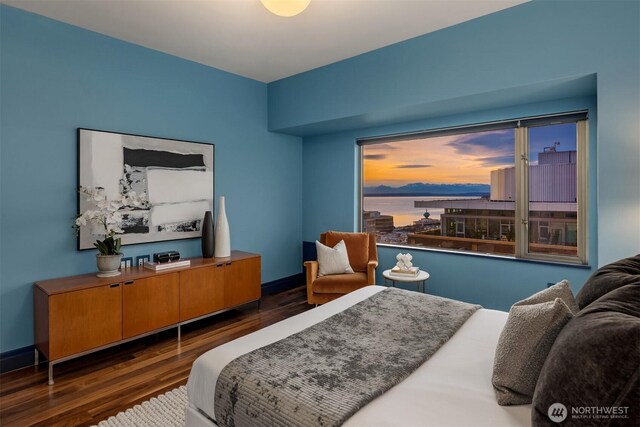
(457, 159)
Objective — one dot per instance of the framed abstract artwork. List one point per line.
(175, 179)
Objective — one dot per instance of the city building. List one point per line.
(468, 224)
(374, 222)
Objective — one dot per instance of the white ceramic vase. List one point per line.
(108, 265)
(223, 240)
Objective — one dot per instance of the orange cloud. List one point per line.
(456, 159)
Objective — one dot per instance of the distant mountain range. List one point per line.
(427, 189)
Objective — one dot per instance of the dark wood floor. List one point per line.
(92, 388)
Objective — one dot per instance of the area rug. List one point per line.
(166, 410)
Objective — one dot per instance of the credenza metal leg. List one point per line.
(179, 333)
(36, 357)
(50, 373)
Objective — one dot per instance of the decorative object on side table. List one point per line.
(223, 240)
(405, 272)
(404, 261)
(106, 221)
(411, 272)
(207, 235)
(404, 265)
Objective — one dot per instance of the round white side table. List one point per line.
(420, 280)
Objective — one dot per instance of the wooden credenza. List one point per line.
(77, 315)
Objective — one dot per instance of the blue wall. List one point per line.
(490, 62)
(55, 78)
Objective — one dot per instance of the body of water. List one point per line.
(402, 209)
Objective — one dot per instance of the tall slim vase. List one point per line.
(223, 240)
(207, 235)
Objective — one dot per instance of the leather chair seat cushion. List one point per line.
(357, 247)
(340, 283)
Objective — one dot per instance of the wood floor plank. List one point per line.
(92, 388)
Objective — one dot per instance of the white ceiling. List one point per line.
(242, 37)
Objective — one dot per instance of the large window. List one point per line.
(515, 188)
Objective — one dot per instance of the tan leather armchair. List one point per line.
(363, 258)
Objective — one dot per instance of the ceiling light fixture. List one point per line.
(285, 8)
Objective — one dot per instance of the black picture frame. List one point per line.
(178, 177)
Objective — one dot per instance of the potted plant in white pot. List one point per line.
(108, 220)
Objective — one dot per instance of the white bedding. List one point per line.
(453, 388)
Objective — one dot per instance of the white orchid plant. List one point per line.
(106, 214)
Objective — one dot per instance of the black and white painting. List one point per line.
(175, 178)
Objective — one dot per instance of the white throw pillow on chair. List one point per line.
(333, 260)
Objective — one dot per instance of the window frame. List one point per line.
(582, 194)
(521, 215)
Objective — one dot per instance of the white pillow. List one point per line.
(333, 260)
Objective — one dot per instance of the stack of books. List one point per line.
(159, 266)
(413, 271)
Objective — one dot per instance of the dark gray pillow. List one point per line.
(610, 277)
(528, 335)
(595, 362)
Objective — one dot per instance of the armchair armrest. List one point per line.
(371, 272)
(311, 268)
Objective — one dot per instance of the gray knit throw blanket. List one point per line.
(322, 375)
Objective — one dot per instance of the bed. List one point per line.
(452, 388)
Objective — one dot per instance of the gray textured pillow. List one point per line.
(560, 290)
(530, 331)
